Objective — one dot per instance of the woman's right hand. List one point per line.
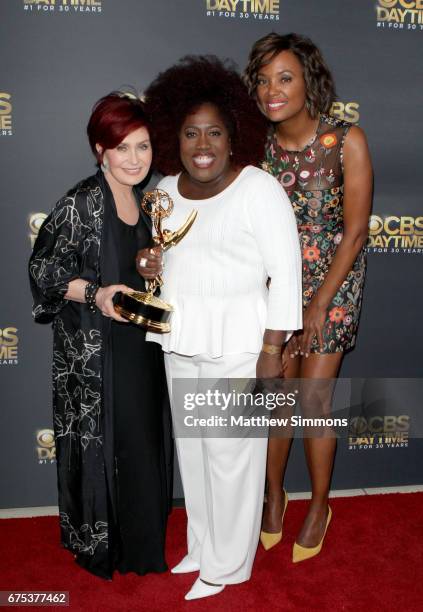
(104, 301)
(149, 262)
(292, 349)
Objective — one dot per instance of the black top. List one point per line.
(131, 238)
(138, 539)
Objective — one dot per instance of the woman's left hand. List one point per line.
(104, 301)
(313, 323)
(269, 366)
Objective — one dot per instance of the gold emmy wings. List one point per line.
(159, 205)
(144, 308)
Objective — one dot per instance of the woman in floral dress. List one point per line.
(324, 165)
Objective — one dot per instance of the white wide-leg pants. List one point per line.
(223, 479)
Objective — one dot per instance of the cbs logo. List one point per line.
(5, 111)
(347, 111)
(35, 222)
(5, 105)
(392, 225)
(9, 346)
(379, 424)
(46, 450)
(8, 337)
(416, 4)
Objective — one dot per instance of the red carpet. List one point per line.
(372, 560)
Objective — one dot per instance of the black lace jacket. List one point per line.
(76, 241)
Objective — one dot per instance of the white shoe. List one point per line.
(186, 566)
(200, 589)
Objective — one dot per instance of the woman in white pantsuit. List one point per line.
(227, 324)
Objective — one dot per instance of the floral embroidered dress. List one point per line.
(313, 180)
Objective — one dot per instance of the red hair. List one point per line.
(112, 119)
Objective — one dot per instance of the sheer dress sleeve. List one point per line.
(58, 254)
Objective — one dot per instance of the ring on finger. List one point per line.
(142, 262)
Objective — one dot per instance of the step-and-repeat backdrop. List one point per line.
(59, 56)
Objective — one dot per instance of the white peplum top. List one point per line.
(215, 278)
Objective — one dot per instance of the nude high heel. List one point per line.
(301, 553)
(269, 540)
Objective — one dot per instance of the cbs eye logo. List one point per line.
(35, 222)
(416, 4)
(392, 225)
(360, 426)
(5, 114)
(46, 450)
(45, 438)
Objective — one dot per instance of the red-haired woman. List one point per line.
(111, 430)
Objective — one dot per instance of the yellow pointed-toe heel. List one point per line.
(269, 540)
(301, 553)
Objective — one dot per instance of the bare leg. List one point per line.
(319, 451)
(277, 458)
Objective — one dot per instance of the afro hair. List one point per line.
(197, 80)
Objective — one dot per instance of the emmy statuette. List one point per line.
(144, 308)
